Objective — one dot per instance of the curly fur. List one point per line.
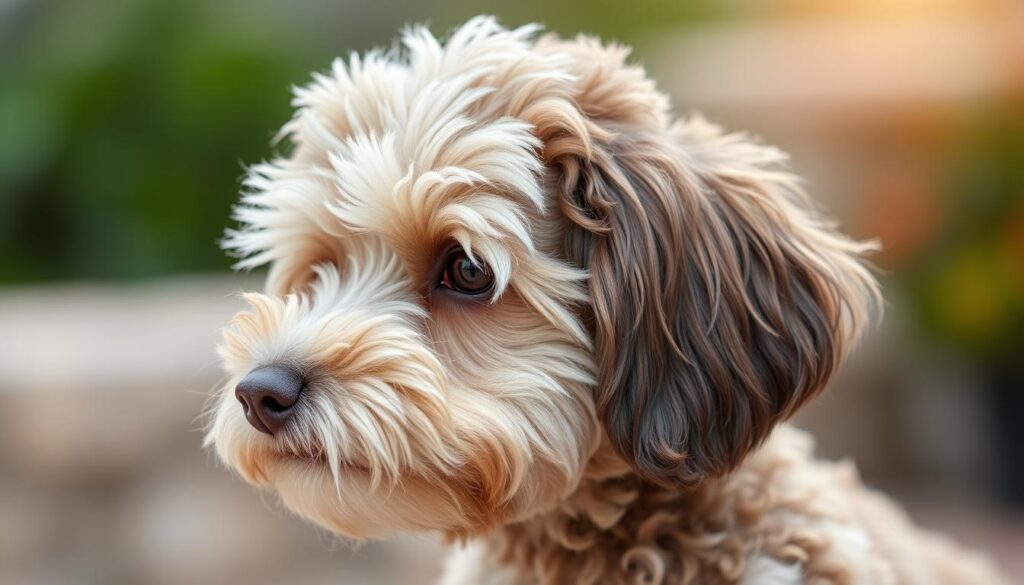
(782, 518)
(663, 298)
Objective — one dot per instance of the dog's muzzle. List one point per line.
(268, 396)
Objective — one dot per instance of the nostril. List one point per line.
(273, 405)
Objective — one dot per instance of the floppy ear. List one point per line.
(720, 303)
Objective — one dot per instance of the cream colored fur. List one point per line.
(477, 418)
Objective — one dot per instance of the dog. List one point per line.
(514, 301)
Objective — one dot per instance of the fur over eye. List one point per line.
(464, 275)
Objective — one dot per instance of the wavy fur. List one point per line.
(663, 299)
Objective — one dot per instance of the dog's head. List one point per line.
(491, 256)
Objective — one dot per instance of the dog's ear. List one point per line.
(720, 304)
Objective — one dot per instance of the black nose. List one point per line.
(268, 396)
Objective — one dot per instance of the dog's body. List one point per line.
(512, 301)
(782, 518)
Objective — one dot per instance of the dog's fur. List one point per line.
(610, 412)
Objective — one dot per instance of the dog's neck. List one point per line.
(600, 529)
(619, 528)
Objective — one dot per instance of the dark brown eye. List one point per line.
(463, 275)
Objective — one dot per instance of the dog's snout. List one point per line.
(268, 396)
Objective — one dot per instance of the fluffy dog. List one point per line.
(512, 300)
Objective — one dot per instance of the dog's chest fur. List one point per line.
(781, 518)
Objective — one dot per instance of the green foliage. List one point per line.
(121, 148)
(969, 287)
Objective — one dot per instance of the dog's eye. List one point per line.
(463, 275)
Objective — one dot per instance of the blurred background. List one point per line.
(124, 126)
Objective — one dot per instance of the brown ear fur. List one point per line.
(720, 305)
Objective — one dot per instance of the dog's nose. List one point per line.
(268, 395)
